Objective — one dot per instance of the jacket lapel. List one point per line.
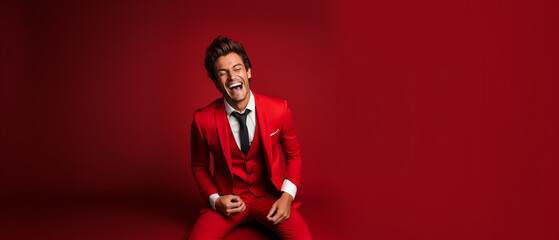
(221, 121)
(262, 117)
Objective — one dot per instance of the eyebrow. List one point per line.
(223, 69)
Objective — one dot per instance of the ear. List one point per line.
(249, 74)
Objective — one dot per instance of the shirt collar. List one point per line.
(251, 105)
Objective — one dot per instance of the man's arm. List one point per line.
(281, 209)
(291, 151)
(200, 163)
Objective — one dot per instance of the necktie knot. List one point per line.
(241, 117)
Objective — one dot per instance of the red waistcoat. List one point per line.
(249, 172)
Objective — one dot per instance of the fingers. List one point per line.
(234, 204)
(272, 211)
(284, 215)
(234, 201)
(278, 213)
(231, 211)
(235, 198)
(279, 217)
(243, 208)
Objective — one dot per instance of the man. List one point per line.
(244, 132)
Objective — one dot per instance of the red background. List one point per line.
(418, 119)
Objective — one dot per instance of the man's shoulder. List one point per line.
(209, 109)
(269, 101)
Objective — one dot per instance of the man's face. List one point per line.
(232, 77)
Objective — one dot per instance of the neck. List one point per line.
(239, 106)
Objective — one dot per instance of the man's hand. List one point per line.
(281, 209)
(229, 204)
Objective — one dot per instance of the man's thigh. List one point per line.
(213, 225)
(293, 228)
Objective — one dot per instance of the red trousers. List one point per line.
(213, 225)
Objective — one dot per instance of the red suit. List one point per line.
(257, 177)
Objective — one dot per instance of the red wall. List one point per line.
(418, 119)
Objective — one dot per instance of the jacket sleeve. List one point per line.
(200, 161)
(291, 148)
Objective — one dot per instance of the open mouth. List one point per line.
(236, 87)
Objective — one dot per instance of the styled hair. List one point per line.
(222, 46)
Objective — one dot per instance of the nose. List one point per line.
(229, 76)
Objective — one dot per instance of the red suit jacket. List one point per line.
(209, 135)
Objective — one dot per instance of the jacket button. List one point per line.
(249, 173)
(250, 185)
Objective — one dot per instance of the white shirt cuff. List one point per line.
(213, 197)
(289, 187)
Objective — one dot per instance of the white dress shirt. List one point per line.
(287, 186)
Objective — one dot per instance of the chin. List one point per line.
(238, 98)
(235, 99)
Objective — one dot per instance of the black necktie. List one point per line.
(242, 118)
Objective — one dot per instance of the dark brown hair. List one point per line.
(222, 46)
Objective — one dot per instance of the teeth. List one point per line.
(235, 85)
